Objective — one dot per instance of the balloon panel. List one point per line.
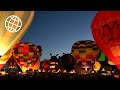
(101, 56)
(35, 65)
(8, 29)
(105, 29)
(54, 65)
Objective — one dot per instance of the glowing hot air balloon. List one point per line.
(85, 53)
(106, 33)
(96, 66)
(11, 63)
(13, 25)
(106, 63)
(5, 58)
(26, 55)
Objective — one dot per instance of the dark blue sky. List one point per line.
(56, 31)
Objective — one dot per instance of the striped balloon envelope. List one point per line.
(13, 25)
(85, 51)
(27, 55)
(54, 66)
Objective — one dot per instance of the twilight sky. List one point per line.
(57, 31)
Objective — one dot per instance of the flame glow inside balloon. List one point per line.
(106, 33)
(25, 54)
(13, 25)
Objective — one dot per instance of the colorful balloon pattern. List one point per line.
(85, 51)
(26, 54)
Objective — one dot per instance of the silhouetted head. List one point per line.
(53, 58)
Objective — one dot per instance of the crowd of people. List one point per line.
(57, 76)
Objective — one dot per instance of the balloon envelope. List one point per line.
(67, 62)
(85, 51)
(106, 33)
(96, 66)
(13, 25)
(26, 55)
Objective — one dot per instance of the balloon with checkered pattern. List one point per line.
(27, 55)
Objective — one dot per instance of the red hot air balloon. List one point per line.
(26, 55)
(106, 33)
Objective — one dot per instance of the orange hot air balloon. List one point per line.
(106, 33)
(26, 55)
(13, 25)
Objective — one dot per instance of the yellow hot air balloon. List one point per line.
(110, 62)
(13, 25)
(96, 66)
(5, 58)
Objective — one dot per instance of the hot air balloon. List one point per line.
(54, 63)
(11, 63)
(46, 65)
(85, 53)
(27, 55)
(106, 33)
(67, 61)
(13, 25)
(5, 57)
(96, 66)
(106, 63)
